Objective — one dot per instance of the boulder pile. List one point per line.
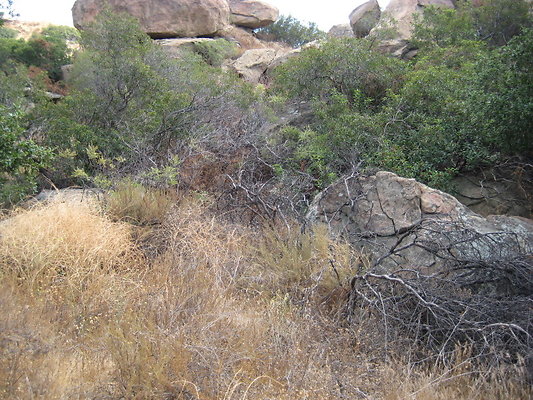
(181, 18)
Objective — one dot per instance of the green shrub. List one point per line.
(7, 33)
(215, 52)
(20, 158)
(291, 31)
(340, 66)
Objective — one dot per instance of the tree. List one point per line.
(6, 9)
(289, 30)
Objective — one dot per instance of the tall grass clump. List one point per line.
(137, 204)
(63, 243)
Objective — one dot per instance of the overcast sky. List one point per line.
(324, 13)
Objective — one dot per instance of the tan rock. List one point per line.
(400, 14)
(364, 18)
(341, 31)
(161, 18)
(175, 47)
(242, 36)
(252, 13)
(253, 64)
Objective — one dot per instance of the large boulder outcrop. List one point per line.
(399, 15)
(364, 18)
(252, 13)
(401, 223)
(161, 18)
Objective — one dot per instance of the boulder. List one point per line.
(161, 18)
(364, 18)
(66, 71)
(252, 13)
(243, 37)
(401, 223)
(400, 14)
(341, 31)
(286, 54)
(175, 47)
(253, 64)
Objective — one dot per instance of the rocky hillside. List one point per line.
(225, 203)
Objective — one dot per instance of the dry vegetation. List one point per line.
(194, 308)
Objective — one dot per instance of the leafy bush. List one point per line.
(340, 66)
(291, 31)
(47, 51)
(462, 104)
(7, 33)
(495, 22)
(215, 52)
(20, 158)
(133, 104)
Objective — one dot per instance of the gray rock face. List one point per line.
(403, 223)
(252, 13)
(161, 18)
(341, 31)
(364, 18)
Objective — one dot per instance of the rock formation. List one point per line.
(341, 31)
(399, 15)
(364, 18)
(401, 222)
(253, 64)
(401, 12)
(162, 18)
(252, 13)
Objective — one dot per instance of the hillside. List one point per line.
(207, 200)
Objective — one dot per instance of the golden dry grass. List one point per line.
(221, 312)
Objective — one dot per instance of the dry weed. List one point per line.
(138, 204)
(217, 314)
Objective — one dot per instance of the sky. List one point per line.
(324, 13)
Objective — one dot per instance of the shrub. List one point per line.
(215, 52)
(138, 204)
(289, 30)
(7, 33)
(20, 158)
(64, 243)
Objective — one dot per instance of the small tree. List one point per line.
(291, 31)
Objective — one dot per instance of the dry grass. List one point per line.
(138, 204)
(220, 313)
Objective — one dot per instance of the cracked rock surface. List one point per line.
(400, 222)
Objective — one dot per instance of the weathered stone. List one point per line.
(400, 15)
(253, 64)
(496, 191)
(243, 37)
(176, 47)
(161, 18)
(364, 18)
(66, 71)
(404, 223)
(285, 54)
(341, 31)
(252, 13)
